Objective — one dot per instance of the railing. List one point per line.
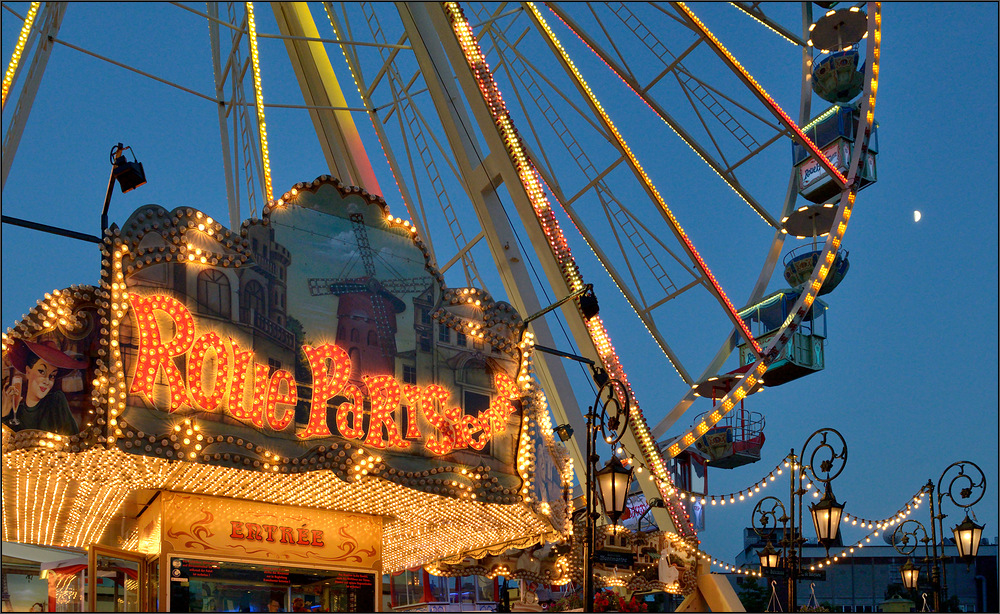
(271, 328)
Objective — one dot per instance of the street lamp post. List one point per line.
(826, 452)
(904, 540)
(970, 489)
(610, 417)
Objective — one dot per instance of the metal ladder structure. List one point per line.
(691, 84)
(404, 103)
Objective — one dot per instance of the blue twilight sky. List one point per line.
(911, 364)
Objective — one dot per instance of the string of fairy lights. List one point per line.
(901, 514)
(877, 525)
(730, 498)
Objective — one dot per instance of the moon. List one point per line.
(916, 216)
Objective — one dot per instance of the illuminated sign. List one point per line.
(319, 337)
(268, 401)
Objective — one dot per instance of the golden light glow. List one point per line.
(259, 102)
(15, 57)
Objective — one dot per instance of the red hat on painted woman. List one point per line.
(47, 351)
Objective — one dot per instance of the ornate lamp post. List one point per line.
(610, 417)
(969, 481)
(904, 540)
(826, 452)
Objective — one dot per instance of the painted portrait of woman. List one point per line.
(32, 398)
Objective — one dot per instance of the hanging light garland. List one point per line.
(728, 567)
(882, 525)
(900, 515)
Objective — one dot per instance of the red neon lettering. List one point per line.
(494, 419)
(318, 538)
(412, 395)
(385, 394)
(327, 382)
(303, 537)
(286, 535)
(196, 362)
(427, 398)
(261, 384)
(350, 414)
(237, 529)
(276, 398)
(472, 425)
(253, 531)
(154, 354)
(236, 405)
(456, 418)
(269, 529)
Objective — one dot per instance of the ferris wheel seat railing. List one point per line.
(734, 441)
(833, 132)
(803, 354)
(801, 262)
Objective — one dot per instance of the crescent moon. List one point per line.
(916, 216)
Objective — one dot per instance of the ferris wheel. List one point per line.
(662, 153)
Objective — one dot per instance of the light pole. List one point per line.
(967, 533)
(610, 417)
(904, 540)
(826, 452)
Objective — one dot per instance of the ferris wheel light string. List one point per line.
(15, 57)
(764, 23)
(806, 299)
(259, 102)
(830, 168)
(647, 181)
(646, 102)
(529, 177)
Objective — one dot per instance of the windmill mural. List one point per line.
(367, 308)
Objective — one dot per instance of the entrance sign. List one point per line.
(227, 529)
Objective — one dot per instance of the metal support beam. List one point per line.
(433, 44)
(51, 19)
(500, 163)
(338, 135)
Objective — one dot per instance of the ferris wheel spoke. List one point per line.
(713, 285)
(762, 95)
(724, 172)
(753, 10)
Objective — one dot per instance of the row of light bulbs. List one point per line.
(533, 186)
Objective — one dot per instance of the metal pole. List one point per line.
(588, 568)
(944, 567)
(935, 570)
(790, 558)
(107, 200)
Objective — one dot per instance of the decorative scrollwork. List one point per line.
(765, 518)
(966, 484)
(612, 414)
(829, 457)
(904, 538)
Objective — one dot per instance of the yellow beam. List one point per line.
(338, 135)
